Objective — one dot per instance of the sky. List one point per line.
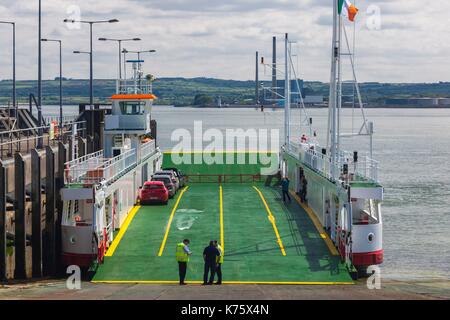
(396, 40)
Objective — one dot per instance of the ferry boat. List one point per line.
(338, 228)
(343, 190)
(101, 188)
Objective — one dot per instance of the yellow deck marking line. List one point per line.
(272, 220)
(225, 282)
(122, 231)
(163, 244)
(222, 235)
(318, 226)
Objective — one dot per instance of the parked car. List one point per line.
(173, 176)
(168, 183)
(154, 192)
(181, 178)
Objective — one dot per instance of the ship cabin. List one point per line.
(128, 125)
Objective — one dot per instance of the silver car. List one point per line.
(179, 174)
(168, 183)
(173, 176)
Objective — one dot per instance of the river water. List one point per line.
(413, 148)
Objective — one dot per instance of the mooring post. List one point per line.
(19, 217)
(2, 222)
(62, 159)
(36, 214)
(49, 234)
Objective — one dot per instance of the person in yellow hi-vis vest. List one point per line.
(182, 256)
(219, 262)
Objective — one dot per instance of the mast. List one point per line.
(287, 93)
(274, 68)
(257, 79)
(335, 97)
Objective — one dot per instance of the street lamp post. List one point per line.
(91, 24)
(60, 82)
(120, 50)
(92, 112)
(91, 80)
(124, 51)
(139, 52)
(40, 73)
(39, 93)
(14, 93)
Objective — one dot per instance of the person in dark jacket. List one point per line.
(304, 190)
(285, 189)
(210, 255)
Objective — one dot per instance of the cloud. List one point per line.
(219, 38)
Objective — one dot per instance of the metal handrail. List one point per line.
(98, 154)
(147, 149)
(66, 119)
(222, 178)
(117, 166)
(94, 169)
(365, 170)
(126, 86)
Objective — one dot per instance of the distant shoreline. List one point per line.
(309, 107)
(265, 106)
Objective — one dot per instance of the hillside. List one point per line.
(182, 91)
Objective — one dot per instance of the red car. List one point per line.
(153, 191)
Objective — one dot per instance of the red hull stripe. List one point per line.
(368, 258)
(81, 260)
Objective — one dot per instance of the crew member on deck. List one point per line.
(210, 255)
(182, 256)
(219, 262)
(304, 184)
(285, 189)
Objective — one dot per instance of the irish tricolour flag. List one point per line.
(348, 9)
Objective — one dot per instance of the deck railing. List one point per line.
(364, 170)
(119, 165)
(224, 178)
(23, 140)
(93, 168)
(147, 149)
(132, 86)
(84, 170)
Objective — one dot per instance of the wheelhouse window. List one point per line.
(132, 107)
(366, 211)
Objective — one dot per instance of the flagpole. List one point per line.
(339, 88)
(287, 93)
